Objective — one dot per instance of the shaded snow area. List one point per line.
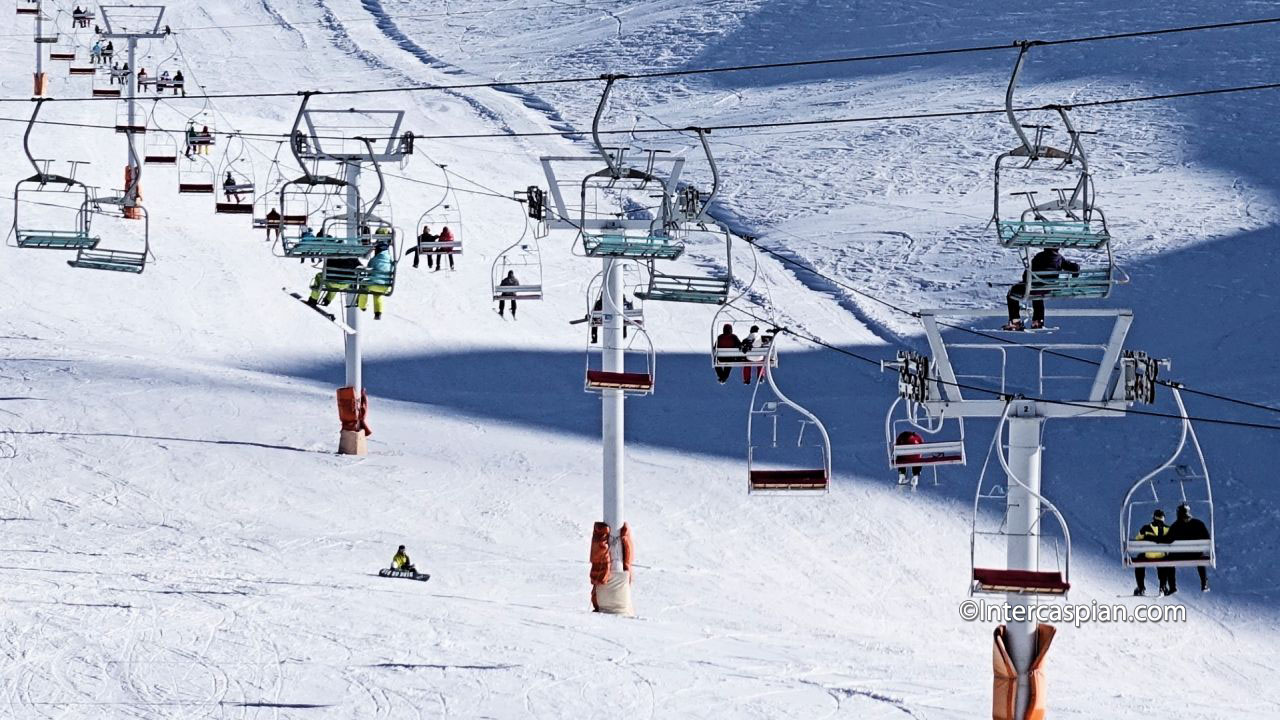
(180, 541)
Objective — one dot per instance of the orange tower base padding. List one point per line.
(1004, 698)
(610, 591)
(41, 85)
(131, 211)
(352, 413)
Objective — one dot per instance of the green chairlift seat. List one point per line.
(324, 247)
(115, 260)
(686, 288)
(56, 239)
(359, 280)
(647, 247)
(1052, 234)
(1089, 283)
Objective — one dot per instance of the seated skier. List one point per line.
(230, 190)
(401, 561)
(1046, 265)
(726, 340)
(508, 281)
(329, 288)
(380, 269)
(909, 437)
(426, 237)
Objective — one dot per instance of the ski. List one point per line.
(407, 574)
(1024, 331)
(331, 317)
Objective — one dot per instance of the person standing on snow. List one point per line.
(1046, 265)
(726, 340)
(1187, 528)
(1154, 531)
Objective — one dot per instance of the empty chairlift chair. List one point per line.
(195, 176)
(992, 528)
(1182, 480)
(161, 148)
(776, 464)
(127, 255)
(51, 211)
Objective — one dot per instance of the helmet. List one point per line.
(1158, 514)
(401, 548)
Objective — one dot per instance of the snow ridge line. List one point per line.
(388, 27)
(282, 22)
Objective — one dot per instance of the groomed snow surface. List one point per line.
(180, 541)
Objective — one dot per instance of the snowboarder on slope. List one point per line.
(1154, 531)
(1046, 265)
(401, 561)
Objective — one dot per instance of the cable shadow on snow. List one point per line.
(166, 438)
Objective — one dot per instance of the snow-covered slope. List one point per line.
(180, 541)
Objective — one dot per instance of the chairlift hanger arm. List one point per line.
(715, 173)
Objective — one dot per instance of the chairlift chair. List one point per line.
(632, 311)
(943, 441)
(1092, 281)
(242, 182)
(730, 357)
(998, 579)
(51, 211)
(28, 7)
(122, 256)
(125, 124)
(524, 259)
(1182, 479)
(446, 214)
(64, 52)
(82, 70)
(195, 176)
(312, 196)
(363, 280)
(1069, 219)
(110, 90)
(773, 464)
(639, 363)
(161, 149)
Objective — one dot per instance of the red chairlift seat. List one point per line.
(805, 479)
(233, 208)
(1022, 582)
(602, 380)
(195, 188)
(85, 70)
(106, 92)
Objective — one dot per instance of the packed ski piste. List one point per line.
(890, 258)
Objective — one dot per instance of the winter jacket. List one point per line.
(509, 280)
(381, 263)
(728, 340)
(446, 236)
(750, 342)
(1187, 529)
(1050, 260)
(400, 561)
(1153, 532)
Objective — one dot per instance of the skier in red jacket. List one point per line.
(909, 437)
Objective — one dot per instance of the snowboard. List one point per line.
(1025, 331)
(331, 317)
(408, 575)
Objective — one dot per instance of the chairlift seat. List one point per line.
(686, 288)
(106, 92)
(202, 188)
(56, 239)
(127, 128)
(233, 208)
(160, 159)
(1089, 283)
(33, 10)
(360, 280)
(907, 455)
(318, 247)
(294, 220)
(200, 139)
(114, 260)
(46, 39)
(55, 55)
(806, 479)
(517, 292)
(1180, 553)
(88, 70)
(1021, 582)
(735, 357)
(623, 246)
(453, 247)
(602, 380)
(244, 188)
(1052, 234)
